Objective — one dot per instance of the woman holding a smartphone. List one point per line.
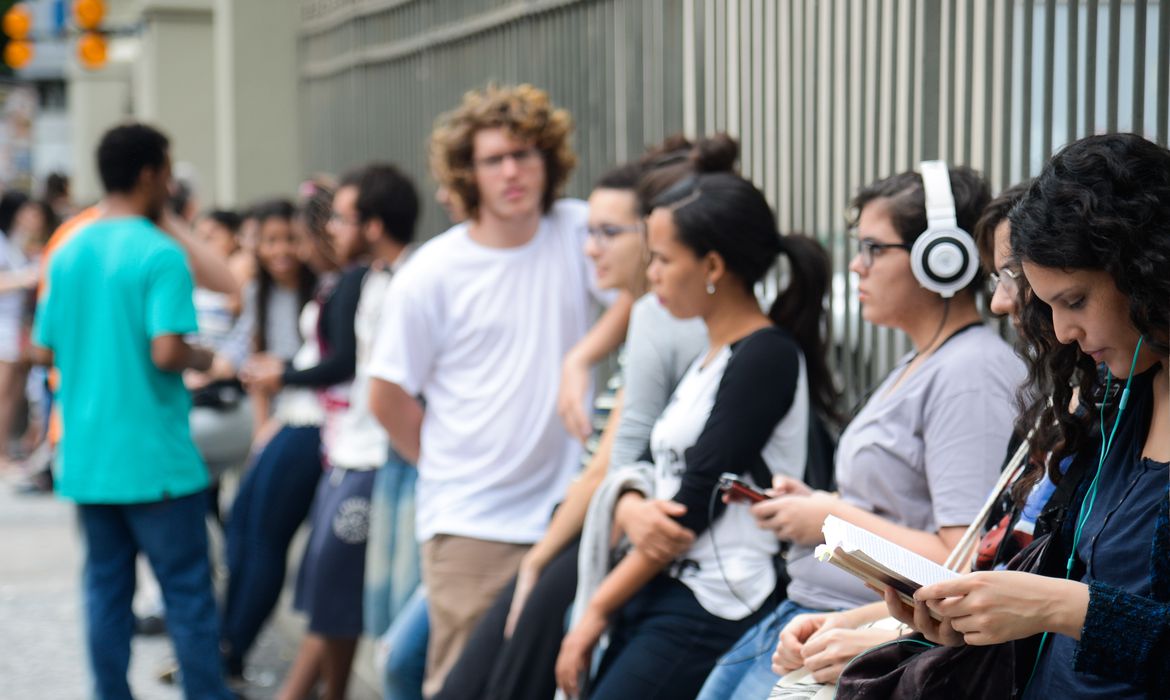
(743, 405)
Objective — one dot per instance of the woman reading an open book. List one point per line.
(917, 461)
(1092, 236)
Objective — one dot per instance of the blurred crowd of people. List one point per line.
(501, 529)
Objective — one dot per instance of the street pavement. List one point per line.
(41, 625)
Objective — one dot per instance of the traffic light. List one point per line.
(17, 25)
(88, 14)
(91, 50)
(91, 45)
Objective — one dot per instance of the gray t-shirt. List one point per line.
(924, 457)
(659, 350)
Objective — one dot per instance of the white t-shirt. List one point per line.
(299, 406)
(361, 442)
(480, 333)
(745, 551)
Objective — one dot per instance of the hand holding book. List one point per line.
(877, 561)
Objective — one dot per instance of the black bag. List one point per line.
(220, 395)
(914, 669)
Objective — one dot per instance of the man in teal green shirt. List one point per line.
(117, 305)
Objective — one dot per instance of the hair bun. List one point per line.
(715, 154)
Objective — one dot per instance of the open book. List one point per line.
(877, 561)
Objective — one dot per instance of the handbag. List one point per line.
(913, 668)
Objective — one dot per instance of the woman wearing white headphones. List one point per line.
(917, 461)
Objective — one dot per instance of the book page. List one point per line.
(878, 552)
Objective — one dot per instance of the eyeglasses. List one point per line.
(521, 157)
(339, 220)
(1010, 279)
(870, 249)
(603, 234)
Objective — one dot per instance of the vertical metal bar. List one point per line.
(1091, 12)
(968, 95)
(771, 77)
(1026, 123)
(690, 110)
(948, 145)
(1049, 74)
(931, 42)
(799, 113)
(1111, 77)
(1139, 65)
(1006, 73)
(1071, 104)
(990, 96)
(1163, 117)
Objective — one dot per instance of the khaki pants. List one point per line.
(463, 577)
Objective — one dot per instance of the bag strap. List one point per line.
(964, 552)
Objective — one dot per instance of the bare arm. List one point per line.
(400, 414)
(170, 353)
(40, 356)
(603, 338)
(209, 271)
(626, 579)
(18, 280)
(569, 518)
(934, 546)
(797, 516)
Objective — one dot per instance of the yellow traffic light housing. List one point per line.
(17, 54)
(88, 14)
(91, 50)
(18, 22)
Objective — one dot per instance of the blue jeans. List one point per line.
(406, 664)
(173, 535)
(273, 500)
(392, 558)
(746, 671)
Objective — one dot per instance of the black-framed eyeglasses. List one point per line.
(870, 249)
(604, 233)
(1010, 279)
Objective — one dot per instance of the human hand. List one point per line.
(992, 607)
(796, 518)
(576, 649)
(195, 380)
(829, 651)
(572, 397)
(786, 485)
(651, 526)
(918, 617)
(787, 657)
(262, 373)
(526, 579)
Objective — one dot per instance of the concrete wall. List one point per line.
(255, 52)
(218, 76)
(174, 83)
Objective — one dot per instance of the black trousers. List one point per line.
(523, 667)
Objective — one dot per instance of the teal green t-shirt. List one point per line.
(114, 286)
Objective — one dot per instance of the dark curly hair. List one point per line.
(995, 213)
(1101, 203)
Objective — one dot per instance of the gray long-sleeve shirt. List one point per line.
(659, 349)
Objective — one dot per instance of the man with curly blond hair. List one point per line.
(477, 324)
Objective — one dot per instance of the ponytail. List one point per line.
(800, 309)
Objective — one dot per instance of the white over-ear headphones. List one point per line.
(944, 258)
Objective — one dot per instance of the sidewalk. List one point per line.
(41, 624)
